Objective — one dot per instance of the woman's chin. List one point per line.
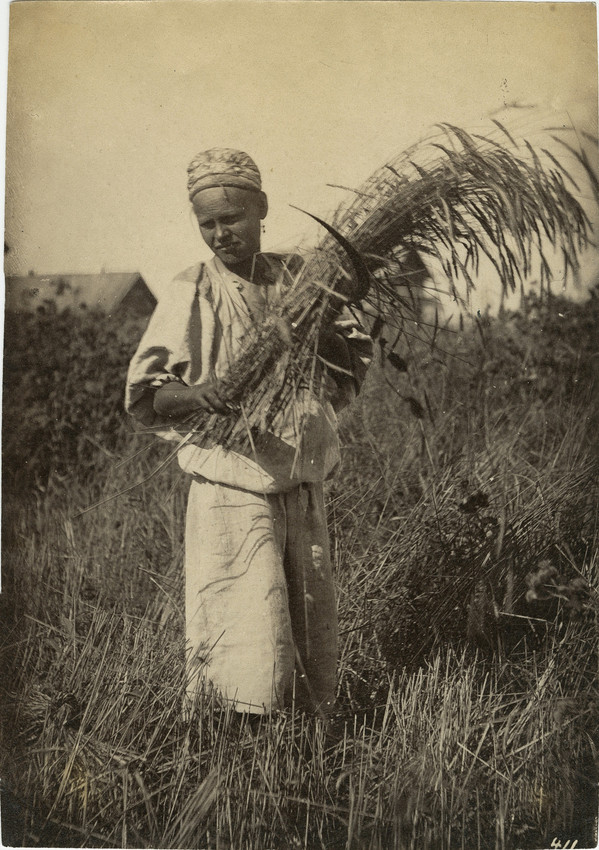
(229, 256)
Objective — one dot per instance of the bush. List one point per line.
(64, 377)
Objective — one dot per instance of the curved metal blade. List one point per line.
(362, 273)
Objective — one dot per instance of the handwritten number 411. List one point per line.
(567, 846)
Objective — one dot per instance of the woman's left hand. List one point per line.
(332, 347)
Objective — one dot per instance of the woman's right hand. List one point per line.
(211, 396)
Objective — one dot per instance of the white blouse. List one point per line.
(173, 348)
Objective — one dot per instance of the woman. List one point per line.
(259, 594)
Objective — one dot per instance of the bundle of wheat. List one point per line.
(455, 197)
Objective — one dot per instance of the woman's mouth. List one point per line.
(227, 247)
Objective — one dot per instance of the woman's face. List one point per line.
(230, 222)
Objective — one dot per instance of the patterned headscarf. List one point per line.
(222, 167)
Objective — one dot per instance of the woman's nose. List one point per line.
(221, 230)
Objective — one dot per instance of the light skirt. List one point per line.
(259, 596)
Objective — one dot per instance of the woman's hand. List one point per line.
(211, 396)
(332, 347)
(177, 401)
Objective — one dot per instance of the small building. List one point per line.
(123, 293)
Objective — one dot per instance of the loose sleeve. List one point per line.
(165, 351)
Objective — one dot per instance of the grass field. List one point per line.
(464, 527)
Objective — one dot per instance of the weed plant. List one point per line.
(464, 528)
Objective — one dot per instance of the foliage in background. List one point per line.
(464, 526)
(505, 433)
(63, 390)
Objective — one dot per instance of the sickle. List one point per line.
(362, 274)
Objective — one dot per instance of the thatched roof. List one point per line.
(107, 291)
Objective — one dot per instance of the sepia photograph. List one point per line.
(300, 425)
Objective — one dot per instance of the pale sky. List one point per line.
(109, 101)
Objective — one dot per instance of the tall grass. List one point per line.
(467, 710)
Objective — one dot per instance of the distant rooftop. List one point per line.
(107, 291)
